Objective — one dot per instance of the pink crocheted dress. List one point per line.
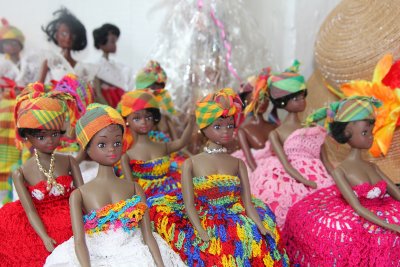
(274, 186)
(324, 230)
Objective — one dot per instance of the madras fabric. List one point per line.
(287, 82)
(8, 32)
(96, 118)
(9, 154)
(225, 102)
(152, 73)
(259, 91)
(164, 100)
(136, 100)
(354, 108)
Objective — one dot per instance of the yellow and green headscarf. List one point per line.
(152, 73)
(225, 103)
(8, 32)
(287, 82)
(136, 100)
(96, 118)
(353, 108)
(259, 91)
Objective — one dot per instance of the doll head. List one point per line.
(216, 115)
(259, 101)
(40, 117)
(350, 120)
(140, 110)
(100, 133)
(106, 37)
(152, 76)
(66, 31)
(11, 39)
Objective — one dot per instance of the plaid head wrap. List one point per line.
(287, 82)
(164, 100)
(354, 108)
(96, 118)
(8, 32)
(136, 100)
(225, 102)
(152, 73)
(259, 91)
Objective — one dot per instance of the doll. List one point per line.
(146, 160)
(112, 79)
(355, 222)
(293, 162)
(107, 211)
(214, 221)
(34, 225)
(254, 132)
(69, 34)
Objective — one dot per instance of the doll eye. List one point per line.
(217, 127)
(40, 137)
(364, 133)
(231, 126)
(55, 134)
(101, 145)
(136, 119)
(149, 118)
(117, 144)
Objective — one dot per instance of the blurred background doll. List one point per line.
(355, 222)
(34, 225)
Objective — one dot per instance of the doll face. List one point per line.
(297, 103)
(11, 47)
(111, 45)
(64, 36)
(221, 130)
(140, 122)
(263, 105)
(45, 141)
(106, 146)
(156, 86)
(360, 133)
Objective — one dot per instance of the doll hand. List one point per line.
(311, 184)
(203, 235)
(49, 243)
(265, 231)
(395, 228)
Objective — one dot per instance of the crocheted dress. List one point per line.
(235, 239)
(273, 185)
(19, 243)
(324, 230)
(113, 238)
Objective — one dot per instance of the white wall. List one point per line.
(290, 26)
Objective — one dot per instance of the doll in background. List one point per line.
(214, 221)
(254, 132)
(107, 212)
(112, 79)
(293, 164)
(34, 225)
(69, 34)
(147, 160)
(355, 222)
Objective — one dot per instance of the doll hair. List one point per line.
(281, 102)
(100, 35)
(90, 142)
(78, 31)
(337, 130)
(155, 112)
(23, 132)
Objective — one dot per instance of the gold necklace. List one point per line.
(51, 181)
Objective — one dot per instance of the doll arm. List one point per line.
(43, 72)
(188, 199)
(126, 169)
(30, 210)
(147, 234)
(81, 250)
(171, 128)
(99, 98)
(351, 198)
(244, 145)
(246, 197)
(278, 149)
(185, 138)
(325, 160)
(76, 172)
(392, 189)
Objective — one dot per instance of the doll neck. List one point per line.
(292, 118)
(66, 52)
(105, 172)
(106, 55)
(258, 118)
(14, 58)
(355, 154)
(44, 156)
(141, 138)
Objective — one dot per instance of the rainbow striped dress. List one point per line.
(234, 238)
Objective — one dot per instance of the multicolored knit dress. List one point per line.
(19, 243)
(235, 239)
(113, 238)
(324, 230)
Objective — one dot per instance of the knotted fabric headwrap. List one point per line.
(96, 118)
(287, 82)
(353, 108)
(136, 100)
(164, 100)
(225, 103)
(152, 73)
(8, 32)
(259, 92)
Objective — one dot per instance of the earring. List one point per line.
(26, 138)
(127, 124)
(282, 103)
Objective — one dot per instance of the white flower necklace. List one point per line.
(51, 181)
(215, 150)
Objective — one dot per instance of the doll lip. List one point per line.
(113, 156)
